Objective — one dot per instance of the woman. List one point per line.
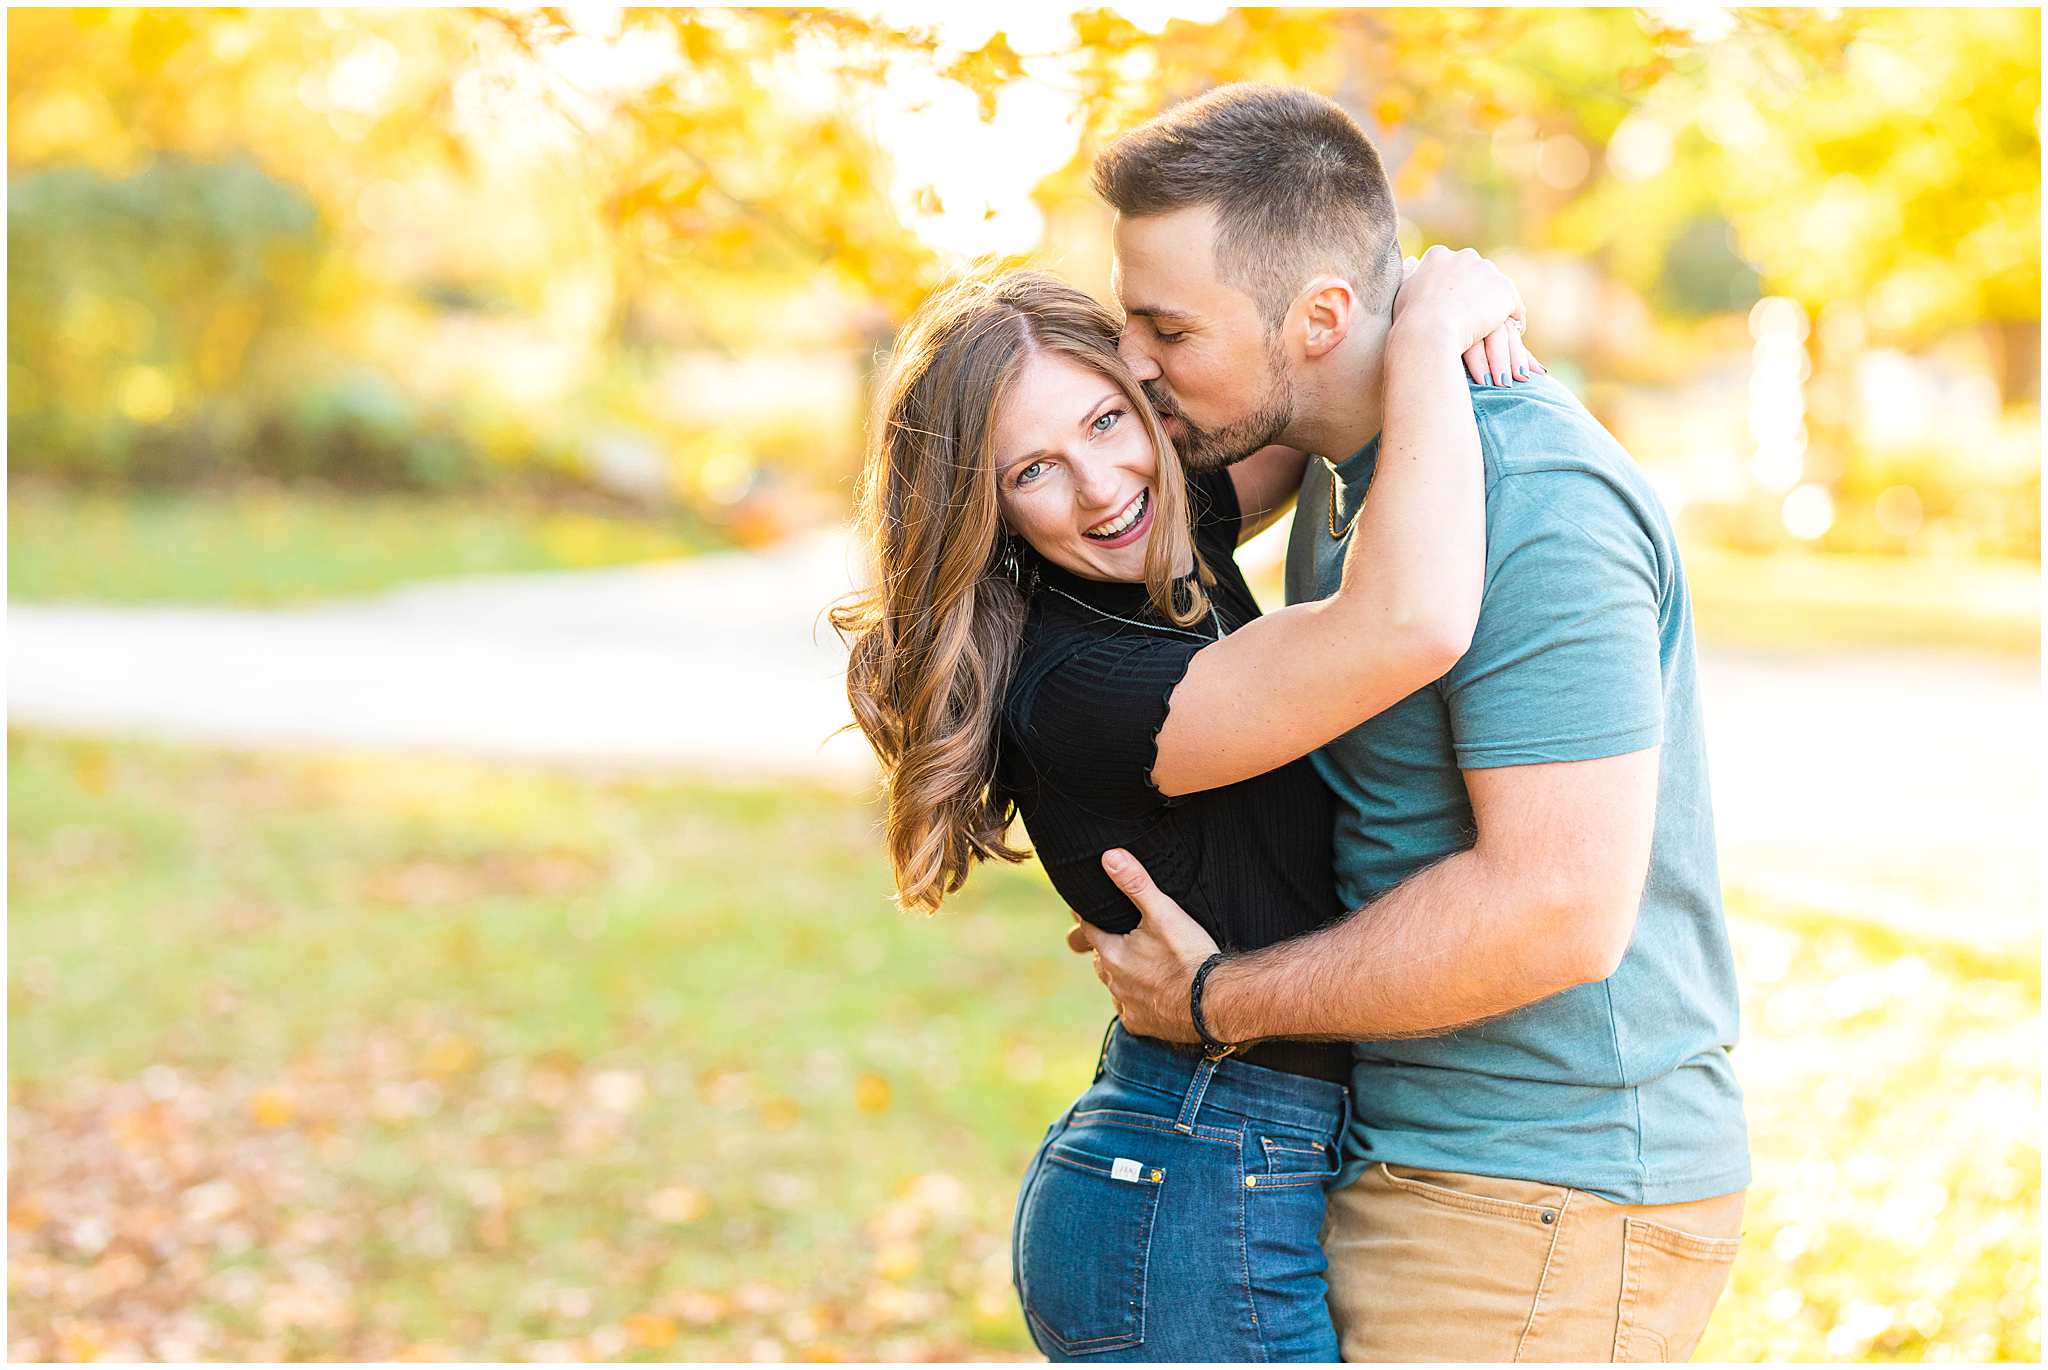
(1058, 631)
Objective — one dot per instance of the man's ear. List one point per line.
(1327, 308)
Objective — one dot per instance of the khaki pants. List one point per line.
(1430, 1266)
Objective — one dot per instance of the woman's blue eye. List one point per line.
(1106, 422)
(1025, 474)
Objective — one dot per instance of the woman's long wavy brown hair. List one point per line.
(934, 637)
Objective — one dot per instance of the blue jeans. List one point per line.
(1174, 1212)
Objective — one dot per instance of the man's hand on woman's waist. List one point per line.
(1148, 969)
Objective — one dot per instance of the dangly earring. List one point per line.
(1012, 565)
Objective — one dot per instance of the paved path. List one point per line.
(718, 661)
(1905, 786)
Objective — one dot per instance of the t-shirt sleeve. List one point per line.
(1564, 662)
(1091, 728)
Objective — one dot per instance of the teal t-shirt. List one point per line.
(1584, 649)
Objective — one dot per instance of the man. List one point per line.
(1549, 1156)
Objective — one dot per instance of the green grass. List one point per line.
(357, 1056)
(1806, 600)
(266, 546)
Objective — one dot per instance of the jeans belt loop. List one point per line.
(1197, 1087)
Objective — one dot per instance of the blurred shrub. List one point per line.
(1922, 499)
(357, 427)
(1983, 499)
(135, 302)
(184, 325)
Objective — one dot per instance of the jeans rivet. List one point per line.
(1548, 1216)
(1251, 1182)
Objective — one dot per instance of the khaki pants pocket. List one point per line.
(1670, 1282)
(1429, 1266)
(1519, 1200)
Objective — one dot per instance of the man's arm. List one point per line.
(1544, 900)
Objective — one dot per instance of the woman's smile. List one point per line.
(1127, 525)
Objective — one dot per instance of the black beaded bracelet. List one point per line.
(1211, 1046)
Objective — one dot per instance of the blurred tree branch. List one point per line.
(1884, 156)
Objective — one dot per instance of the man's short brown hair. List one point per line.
(1296, 185)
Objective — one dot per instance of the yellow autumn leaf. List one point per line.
(898, 1261)
(92, 769)
(78, 1344)
(651, 1330)
(449, 1054)
(871, 1093)
(270, 1108)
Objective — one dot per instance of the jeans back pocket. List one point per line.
(1084, 1237)
(1290, 1161)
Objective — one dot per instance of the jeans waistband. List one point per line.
(1274, 1096)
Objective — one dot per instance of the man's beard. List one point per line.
(1210, 449)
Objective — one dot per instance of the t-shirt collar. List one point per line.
(1360, 463)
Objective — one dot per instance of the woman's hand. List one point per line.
(1474, 305)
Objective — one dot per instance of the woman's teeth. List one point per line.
(1133, 511)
